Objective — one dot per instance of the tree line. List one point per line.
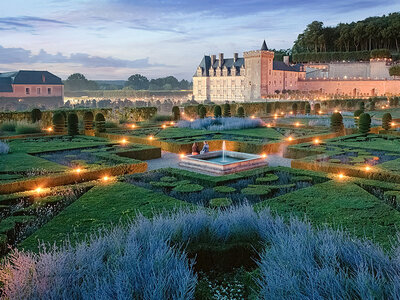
(78, 82)
(368, 34)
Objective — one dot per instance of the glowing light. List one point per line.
(124, 141)
(282, 113)
(320, 112)
(78, 170)
(291, 113)
(290, 138)
(151, 137)
(183, 113)
(133, 126)
(297, 124)
(275, 115)
(367, 168)
(341, 175)
(171, 123)
(264, 155)
(38, 190)
(105, 178)
(182, 155)
(393, 124)
(191, 120)
(49, 129)
(269, 125)
(316, 141)
(253, 117)
(336, 111)
(164, 126)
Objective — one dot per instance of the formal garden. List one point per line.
(83, 216)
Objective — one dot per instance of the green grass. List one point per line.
(101, 206)
(340, 204)
(262, 132)
(19, 162)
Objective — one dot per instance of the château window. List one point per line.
(27, 91)
(49, 91)
(38, 91)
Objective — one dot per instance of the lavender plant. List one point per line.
(147, 260)
(4, 148)
(215, 124)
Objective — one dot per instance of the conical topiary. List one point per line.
(387, 121)
(202, 112)
(240, 112)
(364, 124)
(227, 110)
(36, 115)
(176, 113)
(337, 122)
(217, 111)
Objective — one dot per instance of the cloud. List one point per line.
(28, 22)
(22, 56)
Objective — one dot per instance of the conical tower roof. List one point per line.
(264, 46)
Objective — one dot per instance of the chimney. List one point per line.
(235, 57)
(221, 59)
(286, 59)
(213, 57)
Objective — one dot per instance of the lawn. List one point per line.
(21, 162)
(341, 204)
(101, 206)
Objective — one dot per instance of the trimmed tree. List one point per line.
(227, 110)
(58, 122)
(198, 109)
(240, 112)
(372, 105)
(308, 108)
(364, 124)
(294, 108)
(88, 118)
(357, 114)
(202, 112)
(387, 121)
(217, 111)
(73, 124)
(100, 123)
(362, 106)
(36, 115)
(317, 108)
(269, 108)
(337, 122)
(176, 113)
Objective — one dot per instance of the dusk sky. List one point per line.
(112, 39)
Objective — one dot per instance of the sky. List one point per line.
(113, 39)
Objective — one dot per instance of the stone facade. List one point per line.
(252, 77)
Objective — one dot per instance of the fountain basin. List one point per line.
(214, 162)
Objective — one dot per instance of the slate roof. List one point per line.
(281, 66)
(205, 64)
(27, 77)
(264, 46)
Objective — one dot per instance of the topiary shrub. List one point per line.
(176, 113)
(361, 106)
(100, 123)
(267, 178)
(337, 122)
(217, 111)
(269, 108)
(317, 108)
(88, 120)
(73, 124)
(202, 112)
(259, 190)
(301, 179)
(224, 189)
(357, 114)
(308, 108)
(220, 202)
(294, 108)
(36, 115)
(387, 121)
(364, 125)
(58, 122)
(227, 110)
(168, 179)
(240, 112)
(372, 105)
(188, 188)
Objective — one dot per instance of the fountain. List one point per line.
(223, 162)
